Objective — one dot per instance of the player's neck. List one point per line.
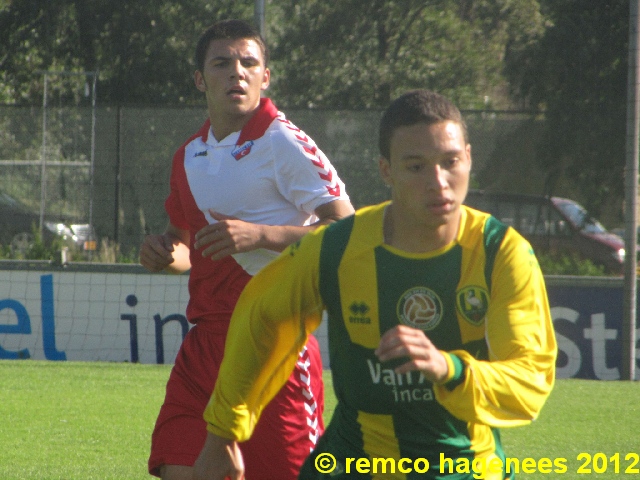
(224, 124)
(406, 234)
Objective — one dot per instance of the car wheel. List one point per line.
(22, 242)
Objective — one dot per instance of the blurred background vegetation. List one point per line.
(564, 61)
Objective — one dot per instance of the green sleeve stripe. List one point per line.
(494, 232)
(458, 372)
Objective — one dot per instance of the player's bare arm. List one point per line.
(407, 342)
(220, 459)
(230, 235)
(167, 251)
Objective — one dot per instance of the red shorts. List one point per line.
(285, 435)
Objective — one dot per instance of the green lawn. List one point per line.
(581, 419)
(72, 420)
(69, 420)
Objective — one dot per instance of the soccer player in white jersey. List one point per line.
(245, 186)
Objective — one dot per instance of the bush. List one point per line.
(32, 247)
(37, 249)
(569, 265)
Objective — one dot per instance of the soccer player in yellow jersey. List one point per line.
(439, 324)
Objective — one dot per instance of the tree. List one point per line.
(142, 48)
(577, 73)
(353, 54)
(347, 54)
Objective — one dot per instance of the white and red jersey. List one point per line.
(269, 173)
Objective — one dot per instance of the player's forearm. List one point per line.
(181, 262)
(279, 237)
(180, 241)
(500, 394)
(511, 387)
(220, 457)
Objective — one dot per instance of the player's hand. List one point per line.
(402, 342)
(156, 252)
(227, 236)
(219, 459)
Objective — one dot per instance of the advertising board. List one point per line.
(128, 315)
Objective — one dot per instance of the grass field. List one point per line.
(83, 421)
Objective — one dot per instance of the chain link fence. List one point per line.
(134, 146)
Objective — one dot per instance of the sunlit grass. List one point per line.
(76, 420)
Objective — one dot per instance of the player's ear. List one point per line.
(385, 171)
(199, 81)
(266, 79)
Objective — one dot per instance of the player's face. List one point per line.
(232, 79)
(429, 175)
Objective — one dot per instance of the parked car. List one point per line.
(17, 224)
(554, 225)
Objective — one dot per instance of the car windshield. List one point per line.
(580, 217)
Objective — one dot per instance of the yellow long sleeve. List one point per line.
(511, 388)
(276, 312)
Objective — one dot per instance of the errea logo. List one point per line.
(359, 312)
(294, 247)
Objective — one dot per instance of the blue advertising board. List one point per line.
(588, 324)
(126, 314)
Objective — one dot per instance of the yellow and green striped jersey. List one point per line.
(481, 300)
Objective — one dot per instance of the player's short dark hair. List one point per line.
(416, 106)
(231, 30)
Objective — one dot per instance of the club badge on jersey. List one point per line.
(242, 150)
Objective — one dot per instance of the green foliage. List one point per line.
(36, 249)
(110, 252)
(578, 73)
(142, 48)
(347, 54)
(569, 265)
(567, 57)
(354, 54)
(32, 247)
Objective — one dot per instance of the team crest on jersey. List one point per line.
(421, 308)
(472, 303)
(242, 150)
